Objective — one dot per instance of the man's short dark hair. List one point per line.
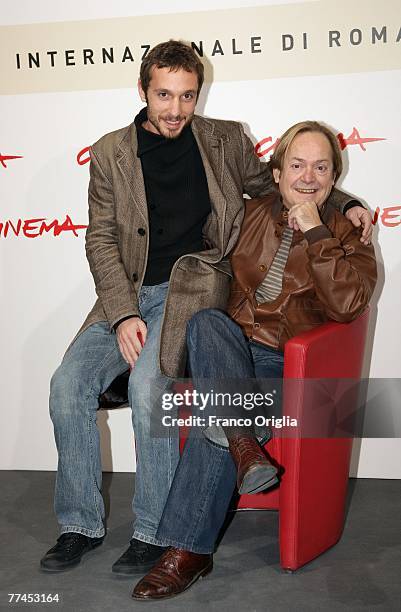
(172, 54)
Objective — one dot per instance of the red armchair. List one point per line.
(312, 491)
(313, 485)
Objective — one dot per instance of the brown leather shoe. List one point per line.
(175, 571)
(254, 472)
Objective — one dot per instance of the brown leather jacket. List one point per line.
(329, 274)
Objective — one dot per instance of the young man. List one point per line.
(165, 209)
(286, 281)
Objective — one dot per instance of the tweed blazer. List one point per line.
(117, 238)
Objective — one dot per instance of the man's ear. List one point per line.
(276, 175)
(141, 92)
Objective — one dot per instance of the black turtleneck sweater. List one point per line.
(177, 196)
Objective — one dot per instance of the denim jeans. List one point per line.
(88, 368)
(205, 478)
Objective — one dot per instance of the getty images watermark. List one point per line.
(229, 402)
(298, 407)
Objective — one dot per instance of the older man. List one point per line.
(298, 263)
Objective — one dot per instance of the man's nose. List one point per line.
(175, 107)
(308, 175)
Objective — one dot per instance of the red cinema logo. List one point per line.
(268, 149)
(83, 156)
(267, 145)
(4, 158)
(353, 139)
(37, 227)
(390, 216)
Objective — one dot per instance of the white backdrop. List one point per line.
(46, 288)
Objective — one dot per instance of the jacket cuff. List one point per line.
(351, 204)
(318, 233)
(124, 319)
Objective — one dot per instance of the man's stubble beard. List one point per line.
(171, 135)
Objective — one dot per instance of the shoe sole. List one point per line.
(257, 479)
(69, 566)
(201, 574)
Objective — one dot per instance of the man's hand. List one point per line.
(128, 341)
(304, 216)
(360, 216)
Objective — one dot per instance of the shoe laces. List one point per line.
(167, 562)
(67, 540)
(245, 444)
(169, 557)
(140, 548)
(247, 449)
(139, 545)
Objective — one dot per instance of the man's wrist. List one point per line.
(319, 232)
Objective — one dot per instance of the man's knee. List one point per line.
(141, 389)
(67, 390)
(203, 324)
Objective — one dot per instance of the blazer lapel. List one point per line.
(211, 148)
(131, 167)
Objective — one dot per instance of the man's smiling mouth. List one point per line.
(305, 190)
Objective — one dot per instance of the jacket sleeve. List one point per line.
(344, 272)
(257, 175)
(113, 287)
(342, 201)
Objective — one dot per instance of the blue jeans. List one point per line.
(205, 478)
(88, 368)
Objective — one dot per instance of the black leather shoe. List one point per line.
(139, 557)
(68, 551)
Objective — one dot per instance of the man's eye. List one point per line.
(296, 166)
(162, 94)
(188, 96)
(322, 168)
